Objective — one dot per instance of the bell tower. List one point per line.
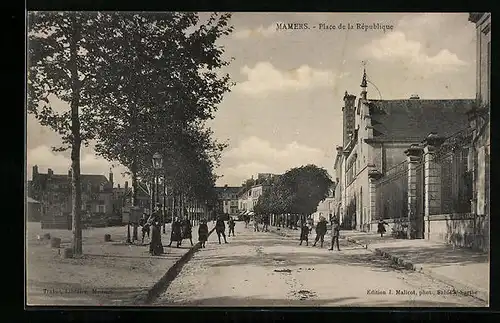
(349, 111)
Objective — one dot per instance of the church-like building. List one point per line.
(376, 135)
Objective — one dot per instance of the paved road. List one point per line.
(264, 269)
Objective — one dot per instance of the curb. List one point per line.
(481, 295)
(148, 296)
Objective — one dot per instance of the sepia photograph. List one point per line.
(257, 159)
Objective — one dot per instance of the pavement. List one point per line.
(108, 273)
(265, 269)
(459, 268)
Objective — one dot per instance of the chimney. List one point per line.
(50, 172)
(111, 178)
(69, 173)
(126, 185)
(35, 171)
(118, 185)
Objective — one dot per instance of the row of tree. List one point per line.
(136, 84)
(296, 192)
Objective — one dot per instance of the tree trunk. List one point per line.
(135, 202)
(76, 192)
(163, 215)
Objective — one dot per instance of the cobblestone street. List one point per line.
(264, 269)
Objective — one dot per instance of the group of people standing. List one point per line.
(321, 229)
(181, 230)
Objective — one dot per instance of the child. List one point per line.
(304, 234)
(203, 233)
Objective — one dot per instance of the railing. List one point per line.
(392, 193)
(456, 179)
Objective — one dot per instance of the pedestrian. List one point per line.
(203, 233)
(247, 220)
(320, 231)
(187, 229)
(255, 223)
(266, 223)
(176, 234)
(381, 227)
(231, 224)
(146, 227)
(304, 233)
(335, 233)
(220, 228)
(155, 246)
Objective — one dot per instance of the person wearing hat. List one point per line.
(335, 233)
(320, 231)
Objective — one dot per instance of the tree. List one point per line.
(298, 191)
(160, 80)
(60, 65)
(309, 185)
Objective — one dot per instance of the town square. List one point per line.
(258, 159)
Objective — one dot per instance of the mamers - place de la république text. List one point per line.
(335, 26)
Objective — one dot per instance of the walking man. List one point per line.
(220, 228)
(320, 232)
(335, 233)
(304, 233)
(232, 224)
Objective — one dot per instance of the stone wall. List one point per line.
(460, 230)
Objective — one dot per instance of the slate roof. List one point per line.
(222, 190)
(414, 119)
(95, 180)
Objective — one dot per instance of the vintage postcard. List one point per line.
(258, 159)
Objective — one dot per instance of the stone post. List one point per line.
(373, 176)
(413, 154)
(432, 179)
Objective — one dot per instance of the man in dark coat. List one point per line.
(335, 233)
(203, 233)
(187, 231)
(304, 233)
(231, 224)
(320, 231)
(220, 228)
(176, 234)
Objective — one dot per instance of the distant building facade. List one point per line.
(251, 190)
(53, 191)
(228, 200)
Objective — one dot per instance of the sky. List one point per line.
(285, 109)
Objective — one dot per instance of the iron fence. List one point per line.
(456, 179)
(392, 193)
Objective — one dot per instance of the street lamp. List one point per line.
(157, 166)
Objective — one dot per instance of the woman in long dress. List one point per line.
(156, 247)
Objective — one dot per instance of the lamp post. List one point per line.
(157, 166)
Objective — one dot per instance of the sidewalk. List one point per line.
(109, 273)
(463, 269)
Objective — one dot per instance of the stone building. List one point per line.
(479, 157)
(228, 200)
(54, 193)
(376, 135)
